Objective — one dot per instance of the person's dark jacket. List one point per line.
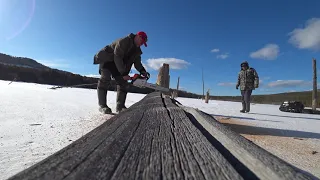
(248, 79)
(119, 56)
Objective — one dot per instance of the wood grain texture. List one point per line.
(155, 139)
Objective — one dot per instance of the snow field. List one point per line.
(36, 121)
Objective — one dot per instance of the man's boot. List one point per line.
(247, 106)
(102, 99)
(121, 99)
(243, 110)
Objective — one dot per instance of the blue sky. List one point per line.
(277, 38)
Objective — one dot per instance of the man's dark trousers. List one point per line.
(105, 82)
(246, 99)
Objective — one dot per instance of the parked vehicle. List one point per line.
(292, 106)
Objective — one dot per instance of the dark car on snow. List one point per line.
(292, 106)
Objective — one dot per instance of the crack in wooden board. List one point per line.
(201, 156)
(107, 159)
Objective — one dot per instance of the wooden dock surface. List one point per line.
(158, 138)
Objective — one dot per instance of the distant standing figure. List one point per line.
(116, 60)
(248, 80)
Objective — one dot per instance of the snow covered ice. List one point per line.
(36, 121)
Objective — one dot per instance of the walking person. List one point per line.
(248, 80)
(115, 60)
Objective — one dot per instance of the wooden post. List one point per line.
(202, 85)
(163, 76)
(176, 92)
(178, 83)
(207, 97)
(314, 92)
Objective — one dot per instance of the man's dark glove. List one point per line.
(237, 87)
(145, 74)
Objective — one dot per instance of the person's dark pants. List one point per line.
(246, 99)
(104, 84)
(122, 90)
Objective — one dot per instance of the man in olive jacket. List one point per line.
(248, 80)
(116, 60)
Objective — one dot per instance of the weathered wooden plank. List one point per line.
(156, 139)
(160, 156)
(197, 150)
(109, 135)
(262, 163)
(106, 161)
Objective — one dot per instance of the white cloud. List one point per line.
(307, 37)
(215, 50)
(173, 63)
(93, 75)
(233, 83)
(289, 83)
(223, 56)
(145, 66)
(260, 82)
(133, 73)
(98, 76)
(266, 90)
(57, 63)
(268, 52)
(226, 84)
